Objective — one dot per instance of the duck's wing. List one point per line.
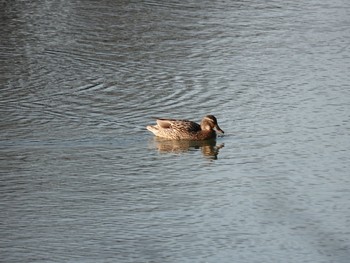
(165, 123)
(183, 125)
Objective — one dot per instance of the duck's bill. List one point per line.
(219, 130)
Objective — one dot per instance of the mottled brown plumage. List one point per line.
(185, 129)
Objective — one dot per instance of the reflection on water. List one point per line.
(209, 148)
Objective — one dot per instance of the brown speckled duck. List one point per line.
(185, 129)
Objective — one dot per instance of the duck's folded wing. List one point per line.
(181, 125)
(165, 123)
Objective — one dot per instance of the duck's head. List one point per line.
(209, 122)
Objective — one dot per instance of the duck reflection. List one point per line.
(209, 148)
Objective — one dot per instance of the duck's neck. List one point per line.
(207, 134)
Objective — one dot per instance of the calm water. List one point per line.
(82, 180)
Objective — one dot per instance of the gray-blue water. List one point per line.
(82, 180)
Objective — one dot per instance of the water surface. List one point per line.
(82, 180)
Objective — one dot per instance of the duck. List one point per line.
(174, 129)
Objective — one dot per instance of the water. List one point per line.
(82, 180)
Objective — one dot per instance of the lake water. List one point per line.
(82, 180)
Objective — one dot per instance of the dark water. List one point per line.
(82, 180)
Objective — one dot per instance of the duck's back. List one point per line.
(179, 125)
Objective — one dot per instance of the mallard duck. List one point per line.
(185, 129)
